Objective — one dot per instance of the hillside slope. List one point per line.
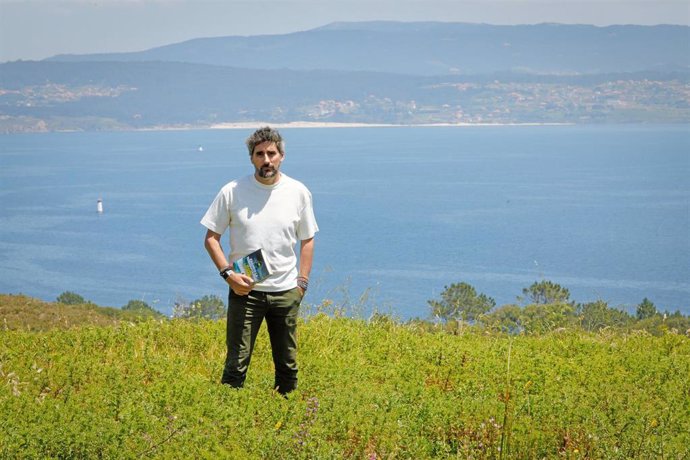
(435, 48)
(367, 390)
(23, 313)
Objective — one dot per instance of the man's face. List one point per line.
(266, 159)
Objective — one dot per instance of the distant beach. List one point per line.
(318, 124)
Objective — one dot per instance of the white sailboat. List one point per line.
(99, 206)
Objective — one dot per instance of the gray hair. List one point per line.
(265, 134)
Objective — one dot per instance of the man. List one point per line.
(272, 212)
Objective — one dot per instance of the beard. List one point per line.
(267, 172)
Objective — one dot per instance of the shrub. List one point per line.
(597, 315)
(541, 318)
(543, 292)
(208, 307)
(460, 301)
(645, 309)
(70, 298)
(504, 319)
(141, 308)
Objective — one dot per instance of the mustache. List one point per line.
(267, 170)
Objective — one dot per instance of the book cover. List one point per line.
(253, 265)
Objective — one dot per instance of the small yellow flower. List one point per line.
(278, 425)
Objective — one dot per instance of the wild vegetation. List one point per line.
(141, 386)
(548, 307)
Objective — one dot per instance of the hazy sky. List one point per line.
(35, 29)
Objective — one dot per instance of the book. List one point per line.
(253, 265)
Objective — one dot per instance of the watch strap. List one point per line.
(224, 273)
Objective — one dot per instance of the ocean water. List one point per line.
(403, 212)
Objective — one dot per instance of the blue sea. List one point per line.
(404, 211)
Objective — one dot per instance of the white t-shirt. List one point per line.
(269, 217)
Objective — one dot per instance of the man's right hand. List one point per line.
(240, 284)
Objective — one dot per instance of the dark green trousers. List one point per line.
(245, 315)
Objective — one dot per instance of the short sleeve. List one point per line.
(217, 217)
(307, 226)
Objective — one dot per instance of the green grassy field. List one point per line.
(368, 389)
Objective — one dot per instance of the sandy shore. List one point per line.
(296, 124)
(315, 124)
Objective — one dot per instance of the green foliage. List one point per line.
(645, 309)
(597, 315)
(460, 301)
(544, 292)
(507, 318)
(141, 308)
(367, 390)
(137, 305)
(70, 298)
(661, 324)
(541, 318)
(550, 310)
(207, 307)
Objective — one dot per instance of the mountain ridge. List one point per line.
(436, 48)
(380, 72)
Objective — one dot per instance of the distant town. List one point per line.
(499, 102)
(620, 101)
(411, 74)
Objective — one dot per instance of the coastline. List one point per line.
(316, 124)
(248, 125)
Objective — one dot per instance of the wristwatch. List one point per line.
(224, 273)
(303, 283)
